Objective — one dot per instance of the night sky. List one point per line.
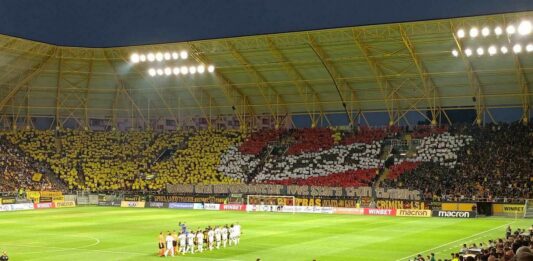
(106, 23)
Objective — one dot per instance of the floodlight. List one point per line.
(168, 71)
(474, 32)
(461, 33)
(529, 48)
(480, 51)
(492, 50)
(200, 69)
(150, 57)
(184, 70)
(184, 55)
(525, 27)
(510, 29)
(167, 56)
(498, 30)
(485, 31)
(175, 56)
(455, 53)
(517, 48)
(504, 49)
(192, 69)
(152, 72)
(142, 58)
(176, 70)
(134, 58)
(159, 71)
(210, 68)
(468, 52)
(159, 57)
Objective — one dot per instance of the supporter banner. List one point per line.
(210, 206)
(8, 200)
(37, 177)
(157, 205)
(198, 206)
(58, 199)
(401, 204)
(413, 213)
(65, 204)
(453, 214)
(181, 205)
(379, 212)
(235, 207)
(323, 202)
(33, 195)
(51, 194)
(45, 199)
(43, 205)
(293, 190)
(189, 199)
(132, 204)
(351, 211)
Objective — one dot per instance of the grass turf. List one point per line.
(107, 233)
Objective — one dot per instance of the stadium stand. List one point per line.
(514, 245)
(19, 171)
(456, 164)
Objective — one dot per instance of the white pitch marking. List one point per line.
(462, 239)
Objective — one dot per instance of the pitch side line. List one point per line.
(452, 242)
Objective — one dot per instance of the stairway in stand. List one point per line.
(528, 213)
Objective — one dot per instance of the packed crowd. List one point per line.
(458, 163)
(19, 171)
(496, 164)
(515, 246)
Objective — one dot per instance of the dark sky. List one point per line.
(106, 23)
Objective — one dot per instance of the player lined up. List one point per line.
(191, 241)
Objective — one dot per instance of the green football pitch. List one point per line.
(107, 233)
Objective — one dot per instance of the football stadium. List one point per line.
(279, 130)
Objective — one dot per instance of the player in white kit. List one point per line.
(231, 235)
(224, 231)
(200, 241)
(210, 238)
(183, 242)
(237, 231)
(218, 236)
(190, 242)
(170, 247)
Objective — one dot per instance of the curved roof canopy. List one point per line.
(392, 68)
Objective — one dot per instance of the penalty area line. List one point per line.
(452, 242)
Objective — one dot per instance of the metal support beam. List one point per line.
(32, 72)
(155, 89)
(232, 93)
(264, 88)
(58, 90)
(337, 78)
(472, 78)
(120, 87)
(430, 89)
(86, 96)
(379, 75)
(305, 90)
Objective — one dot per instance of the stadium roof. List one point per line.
(392, 68)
